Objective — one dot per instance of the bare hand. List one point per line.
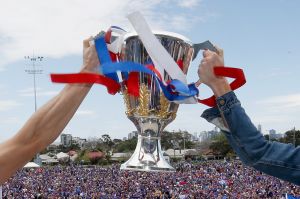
(90, 57)
(219, 85)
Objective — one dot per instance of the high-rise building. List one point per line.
(272, 134)
(259, 128)
(207, 135)
(195, 137)
(66, 139)
(79, 141)
(132, 135)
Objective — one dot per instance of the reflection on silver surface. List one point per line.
(151, 112)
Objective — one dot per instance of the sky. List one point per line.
(261, 37)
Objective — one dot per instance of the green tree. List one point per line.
(126, 146)
(107, 142)
(183, 138)
(176, 139)
(166, 140)
(290, 138)
(267, 137)
(65, 149)
(117, 141)
(220, 145)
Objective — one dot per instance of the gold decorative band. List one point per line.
(141, 106)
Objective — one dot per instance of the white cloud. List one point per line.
(188, 3)
(56, 28)
(271, 118)
(277, 112)
(8, 104)
(282, 102)
(180, 22)
(11, 120)
(29, 92)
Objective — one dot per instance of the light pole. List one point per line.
(33, 71)
(184, 141)
(269, 135)
(294, 140)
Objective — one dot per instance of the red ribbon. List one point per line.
(133, 81)
(236, 73)
(133, 84)
(112, 86)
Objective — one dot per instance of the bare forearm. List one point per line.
(49, 121)
(41, 129)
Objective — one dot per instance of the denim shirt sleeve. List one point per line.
(273, 158)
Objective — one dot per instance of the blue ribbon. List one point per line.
(104, 57)
(174, 91)
(117, 27)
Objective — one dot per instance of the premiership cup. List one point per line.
(151, 112)
(146, 105)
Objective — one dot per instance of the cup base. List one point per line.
(147, 168)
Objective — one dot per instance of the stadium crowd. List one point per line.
(208, 179)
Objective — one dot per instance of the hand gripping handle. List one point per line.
(203, 46)
(236, 73)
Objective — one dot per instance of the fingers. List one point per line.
(206, 53)
(86, 42)
(220, 51)
(197, 84)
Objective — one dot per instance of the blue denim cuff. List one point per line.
(227, 101)
(211, 113)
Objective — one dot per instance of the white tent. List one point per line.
(44, 157)
(31, 165)
(49, 161)
(120, 156)
(62, 156)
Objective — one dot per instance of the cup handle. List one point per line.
(202, 46)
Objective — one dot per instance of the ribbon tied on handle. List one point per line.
(236, 73)
(175, 90)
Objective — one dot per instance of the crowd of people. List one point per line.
(208, 179)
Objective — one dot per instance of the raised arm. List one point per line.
(45, 125)
(274, 158)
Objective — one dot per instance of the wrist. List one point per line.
(89, 69)
(83, 69)
(221, 87)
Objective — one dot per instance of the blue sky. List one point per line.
(262, 37)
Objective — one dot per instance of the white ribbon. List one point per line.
(160, 57)
(116, 45)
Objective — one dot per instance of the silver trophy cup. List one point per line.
(151, 112)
